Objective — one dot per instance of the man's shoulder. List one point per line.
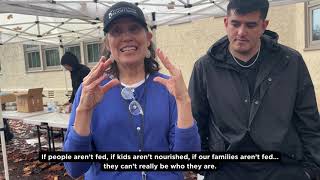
(288, 50)
(204, 59)
(217, 51)
(291, 55)
(274, 46)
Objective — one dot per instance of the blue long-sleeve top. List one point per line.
(113, 128)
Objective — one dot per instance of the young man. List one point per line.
(78, 71)
(251, 94)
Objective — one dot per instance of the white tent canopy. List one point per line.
(62, 22)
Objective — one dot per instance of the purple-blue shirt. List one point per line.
(114, 128)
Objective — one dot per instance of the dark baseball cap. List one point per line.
(123, 9)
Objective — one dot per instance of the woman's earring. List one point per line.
(148, 54)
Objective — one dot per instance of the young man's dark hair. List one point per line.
(242, 7)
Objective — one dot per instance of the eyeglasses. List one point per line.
(134, 106)
(133, 29)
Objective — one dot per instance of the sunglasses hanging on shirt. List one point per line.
(134, 106)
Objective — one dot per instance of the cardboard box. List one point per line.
(30, 101)
(7, 97)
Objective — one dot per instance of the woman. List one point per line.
(141, 110)
(78, 71)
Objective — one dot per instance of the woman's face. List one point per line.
(128, 41)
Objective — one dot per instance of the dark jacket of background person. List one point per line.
(283, 115)
(79, 71)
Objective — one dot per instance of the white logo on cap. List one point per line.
(122, 10)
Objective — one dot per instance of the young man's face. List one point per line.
(67, 67)
(244, 31)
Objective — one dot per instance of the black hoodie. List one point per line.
(78, 72)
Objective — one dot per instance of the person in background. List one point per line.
(126, 105)
(78, 72)
(251, 94)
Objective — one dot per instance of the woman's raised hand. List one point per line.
(177, 87)
(92, 91)
(175, 84)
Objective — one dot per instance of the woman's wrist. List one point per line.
(185, 119)
(82, 122)
(184, 100)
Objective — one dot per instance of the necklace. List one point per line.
(247, 66)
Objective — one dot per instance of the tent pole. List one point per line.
(3, 146)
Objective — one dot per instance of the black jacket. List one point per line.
(282, 115)
(77, 74)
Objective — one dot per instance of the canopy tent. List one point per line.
(61, 22)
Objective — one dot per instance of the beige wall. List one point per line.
(14, 77)
(182, 43)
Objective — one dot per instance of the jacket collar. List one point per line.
(218, 51)
(272, 60)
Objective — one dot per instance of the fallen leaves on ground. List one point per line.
(51, 177)
(56, 168)
(27, 173)
(12, 168)
(44, 165)
(23, 157)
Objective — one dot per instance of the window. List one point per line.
(313, 29)
(39, 57)
(32, 53)
(316, 24)
(93, 52)
(74, 50)
(52, 57)
(34, 60)
(47, 58)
